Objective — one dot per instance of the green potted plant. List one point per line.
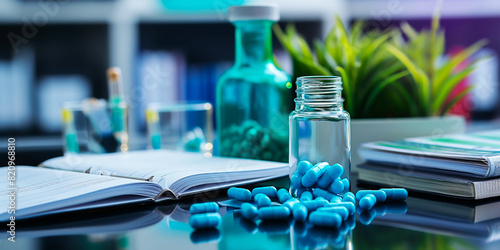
(393, 87)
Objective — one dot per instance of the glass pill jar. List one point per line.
(319, 129)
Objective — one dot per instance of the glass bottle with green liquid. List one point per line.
(253, 97)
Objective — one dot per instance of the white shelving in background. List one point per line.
(124, 17)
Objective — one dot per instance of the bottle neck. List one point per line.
(319, 93)
(253, 42)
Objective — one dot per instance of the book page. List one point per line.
(178, 171)
(42, 191)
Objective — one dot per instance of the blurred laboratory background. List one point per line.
(54, 51)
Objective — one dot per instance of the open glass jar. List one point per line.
(319, 126)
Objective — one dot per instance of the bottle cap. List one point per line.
(254, 12)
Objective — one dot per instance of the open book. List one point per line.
(476, 154)
(76, 182)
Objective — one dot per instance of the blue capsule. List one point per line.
(312, 175)
(379, 194)
(367, 201)
(290, 203)
(348, 205)
(318, 218)
(315, 204)
(342, 211)
(306, 196)
(299, 191)
(337, 186)
(318, 192)
(208, 220)
(201, 208)
(249, 211)
(270, 191)
(295, 180)
(336, 199)
(325, 180)
(240, 194)
(346, 183)
(303, 166)
(349, 197)
(321, 199)
(262, 200)
(335, 171)
(284, 195)
(274, 213)
(299, 212)
(395, 194)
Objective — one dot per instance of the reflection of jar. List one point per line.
(320, 129)
(253, 101)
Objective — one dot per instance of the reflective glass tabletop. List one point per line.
(422, 222)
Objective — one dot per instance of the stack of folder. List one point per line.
(463, 166)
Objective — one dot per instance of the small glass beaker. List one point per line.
(91, 126)
(181, 126)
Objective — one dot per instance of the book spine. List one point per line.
(486, 189)
(493, 165)
(167, 193)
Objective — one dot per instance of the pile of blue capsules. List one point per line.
(320, 178)
(322, 205)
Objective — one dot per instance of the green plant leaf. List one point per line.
(419, 77)
(402, 93)
(455, 99)
(447, 87)
(347, 90)
(324, 59)
(367, 53)
(356, 32)
(447, 68)
(303, 68)
(283, 38)
(301, 65)
(377, 74)
(409, 31)
(387, 82)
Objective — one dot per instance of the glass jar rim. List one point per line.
(320, 78)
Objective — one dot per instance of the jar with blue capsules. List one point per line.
(320, 137)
